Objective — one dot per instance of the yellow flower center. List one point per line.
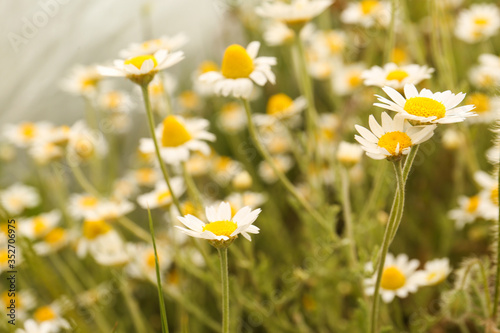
(113, 100)
(354, 80)
(335, 43)
(88, 201)
(438, 276)
(368, 6)
(392, 278)
(481, 101)
(482, 21)
(6, 299)
(494, 195)
(189, 99)
(89, 82)
(236, 62)
(208, 66)
(223, 163)
(4, 257)
(92, 229)
(44, 313)
(150, 260)
(156, 89)
(4, 228)
(154, 42)
(55, 236)
(391, 140)
(145, 175)
(425, 107)
(139, 60)
(188, 208)
(164, 196)
(473, 204)
(398, 55)
(278, 103)
(397, 74)
(28, 130)
(221, 228)
(174, 133)
(39, 226)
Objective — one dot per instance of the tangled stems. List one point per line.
(149, 113)
(225, 289)
(394, 219)
(286, 183)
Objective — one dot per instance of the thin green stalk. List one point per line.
(286, 183)
(133, 307)
(346, 205)
(151, 124)
(392, 34)
(225, 289)
(192, 189)
(393, 221)
(82, 180)
(164, 322)
(132, 227)
(496, 297)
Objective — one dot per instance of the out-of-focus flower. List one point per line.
(84, 205)
(395, 76)
(46, 318)
(282, 162)
(426, 107)
(295, 14)
(232, 117)
(435, 271)
(240, 200)
(18, 197)
(178, 137)
(39, 225)
(53, 241)
(477, 23)
(486, 107)
(143, 264)
(242, 181)
(349, 154)
(115, 101)
(348, 78)
(24, 134)
(241, 68)
(393, 139)
(161, 196)
(83, 80)
(281, 106)
(468, 211)
(367, 13)
(453, 139)
(488, 195)
(487, 74)
(85, 143)
(150, 47)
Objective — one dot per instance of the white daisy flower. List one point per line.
(347, 78)
(25, 301)
(328, 43)
(150, 47)
(478, 23)
(178, 137)
(222, 228)
(44, 151)
(83, 80)
(109, 250)
(124, 188)
(46, 319)
(435, 271)
(18, 197)
(283, 162)
(398, 278)
(281, 106)
(486, 107)
(38, 226)
(199, 164)
(53, 241)
(91, 231)
(240, 200)
(242, 181)
(426, 107)
(490, 60)
(84, 205)
(488, 195)
(111, 210)
(278, 33)
(24, 134)
(141, 69)
(367, 13)
(232, 117)
(84, 142)
(145, 176)
(294, 14)
(241, 68)
(393, 139)
(395, 76)
(161, 195)
(485, 76)
(468, 211)
(115, 101)
(142, 263)
(349, 154)
(224, 169)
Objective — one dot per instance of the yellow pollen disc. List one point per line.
(188, 208)
(494, 195)
(354, 80)
(189, 99)
(335, 43)
(481, 101)
(44, 313)
(236, 62)
(223, 163)
(208, 66)
(229, 108)
(221, 228)
(55, 235)
(163, 196)
(113, 100)
(89, 82)
(398, 55)
(473, 204)
(28, 130)
(425, 107)
(481, 21)
(397, 74)
(88, 201)
(174, 133)
(156, 89)
(147, 44)
(368, 6)
(150, 260)
(4, 228)
(39, 225)
(6, 299)
(92, 229)
(4, 257)
(139, 60)
(391, 140)
(432, 276)
(144, 175)
(392, 278)
(278, 103)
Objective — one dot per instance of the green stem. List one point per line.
(133, 307)
(346, 203)
(151, 124)
(192, 189)
(132, 227)
(286, 183)
(225, 289)
(393, 221)
(392, 33)
(496, 297)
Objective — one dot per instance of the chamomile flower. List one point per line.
(124, 188)
(115, 101)
(393, 139)
(150, 47)
(222, 227)
(487, 108)
(46, 318)
(56, 239)
(399, 278)
(281, 106)
(241, 68)
(349, 154)
(178, 137)
(83, 80)
(485, 77)
(328, 43)
(18, 197)
(225, 168)
(145, 176)
(84, 205)
(143, 264)
(395, 76)
(435, 271)
(232, 117)
(477, 23)
(278, 33)
(348, 78)
(111, 210)
(109, 250)
(141, 69)
(85, 143)
(240, 200)
(295, 14)
(25, 301)
(44, 151)
(161, 195)
(39, 225)
(425, 107)
(367, 13)
(283, 162)
(91, 231)
(488, 195)
(468, 211)
(453, 139)
(24, 134)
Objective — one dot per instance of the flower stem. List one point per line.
(151, 124)
(286, 183)
(346, 205)
(496, 297)
(192, 189)
(225, 289)
(393, 221)
(392, 34)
